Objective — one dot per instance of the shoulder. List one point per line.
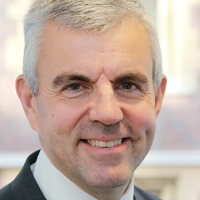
(141, 194)
(5, 193)
(24, 185)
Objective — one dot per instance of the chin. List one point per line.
(106, 184)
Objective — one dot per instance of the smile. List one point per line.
(102, 144)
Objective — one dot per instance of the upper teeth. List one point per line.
(104, 144)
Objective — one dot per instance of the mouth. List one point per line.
(102, 144)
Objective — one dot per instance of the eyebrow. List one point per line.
(63, 78)
(137, 77)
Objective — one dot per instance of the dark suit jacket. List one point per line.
(24, 186)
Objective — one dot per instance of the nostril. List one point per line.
(107, 111)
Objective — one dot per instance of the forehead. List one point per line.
(123, 48)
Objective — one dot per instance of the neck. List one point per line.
(111, 194)
(108, 193)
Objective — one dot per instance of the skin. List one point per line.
(95, 87)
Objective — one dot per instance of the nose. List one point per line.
(105, 108)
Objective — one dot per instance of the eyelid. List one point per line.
(128, 82)
(71, 84)
(64, 78)
(84, 89)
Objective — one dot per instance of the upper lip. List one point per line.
(105, 139)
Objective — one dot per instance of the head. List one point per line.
(92, 88)
(87, 16)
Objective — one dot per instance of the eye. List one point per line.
(127, 89)
(128, 86)
(74, 86)
(74, 90)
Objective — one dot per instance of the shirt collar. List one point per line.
(54, 185)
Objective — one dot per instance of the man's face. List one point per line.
(96, 107)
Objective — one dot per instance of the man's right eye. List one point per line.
(75, 90)
(74, 86)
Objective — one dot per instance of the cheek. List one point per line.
(148, 122)
(65, 120)
(143, 129)
(148, 126)
(143, 119)
(143, 124)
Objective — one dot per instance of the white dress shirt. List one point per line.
(54, 185)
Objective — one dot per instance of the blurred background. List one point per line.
(172, 168)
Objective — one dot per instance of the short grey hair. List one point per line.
(95, 16)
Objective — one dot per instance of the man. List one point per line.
(92, 88)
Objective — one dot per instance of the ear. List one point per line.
(160, 95)
(27, 99)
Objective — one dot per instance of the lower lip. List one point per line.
(106, 150)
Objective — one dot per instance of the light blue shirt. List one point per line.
(54, 185)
